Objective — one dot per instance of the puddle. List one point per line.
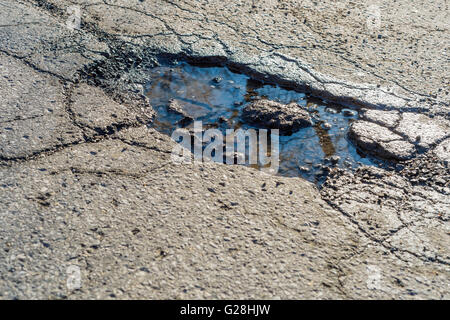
(216, 96)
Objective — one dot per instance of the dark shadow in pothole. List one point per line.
(216, 96)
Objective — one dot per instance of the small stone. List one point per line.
(349, 113)
(274, 115)
(217, 79)
(222, 119)
(423, 179)
(335, 159)
(331, 110)
(175, 107)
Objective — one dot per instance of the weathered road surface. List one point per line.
(84, 183)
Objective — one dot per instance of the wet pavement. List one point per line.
(217, 95)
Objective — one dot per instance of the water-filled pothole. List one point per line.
(216, 96)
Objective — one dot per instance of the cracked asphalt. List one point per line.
(85, 182)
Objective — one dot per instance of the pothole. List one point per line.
(217, 96)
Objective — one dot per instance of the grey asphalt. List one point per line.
(85, 184)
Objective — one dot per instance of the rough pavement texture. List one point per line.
(380, 141)
(84, 182)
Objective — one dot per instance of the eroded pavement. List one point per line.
(85, 183)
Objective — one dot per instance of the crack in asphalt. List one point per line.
(22, 118)
(24, 59)
(181, 38)
(382, 242)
